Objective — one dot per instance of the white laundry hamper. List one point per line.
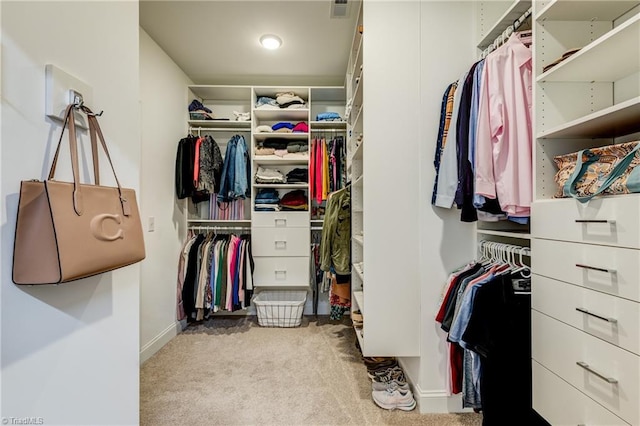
(280, 308)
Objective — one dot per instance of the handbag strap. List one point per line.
(94, 130)
(582, 167)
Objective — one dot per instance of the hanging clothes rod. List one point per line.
(503, 247)
(502, 38)
(218, 129)
(328, 131)
(219, 227)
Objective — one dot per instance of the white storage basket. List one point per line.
(280, 308)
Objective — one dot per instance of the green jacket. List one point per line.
(335, 248)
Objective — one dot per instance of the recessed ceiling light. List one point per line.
(270, 41)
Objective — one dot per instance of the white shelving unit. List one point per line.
(355, 117)
(580, 313)
(223, 101)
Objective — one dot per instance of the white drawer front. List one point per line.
(280, 219)
(556, 220)
(281, 242)
(610, 270)
(281, 272)
(608, 317)
(563, 405)
(610, 375)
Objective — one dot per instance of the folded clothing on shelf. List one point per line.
(328, 116)
(267, 208)
(267, 196)
(301, 127)
(266, 100)
(264, 151)
(298, 175)
(282, 125)
(264, 175)
(288, 99)
(242, 116)
(297, 146)
(196, 105)
(264, 129)
(275, 143)
(294, 200)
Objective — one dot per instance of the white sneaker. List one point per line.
(391, 399)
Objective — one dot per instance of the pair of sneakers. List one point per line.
(394, 397)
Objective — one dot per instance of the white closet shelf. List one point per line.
(359, 296)
(281, 185)
(317, 221)
(267, 135)
(559, 10)
(328, 125)
(360, 336)
(359, 273)
(358, 56)
(357, 154)
(222, 124)
(358, 239)
(358, 117)
(517, 8)
(275, 160)
(618, 47)
(511, 234)
(226, 93)
(284, 114)
(616, 120)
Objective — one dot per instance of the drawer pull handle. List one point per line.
(584, 311)
(593, 268)
(281, 244)
(281, 274)
(610, 221)
(592, 371)
(281, 222)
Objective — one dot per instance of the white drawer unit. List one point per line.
(610, 270)
(281, 242)
(604, 220)
(563, 405)
(280, 219)
(604, 372)
(607, 317)
(281, 272)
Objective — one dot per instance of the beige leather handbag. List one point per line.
(68, 230)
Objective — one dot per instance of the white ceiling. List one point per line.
(217, 42)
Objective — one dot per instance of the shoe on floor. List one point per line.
(394, 399)
(389, 372)
(390, 385)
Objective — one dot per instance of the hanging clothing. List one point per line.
(504, 132)
(235, 171)
(446, 112)
(336, 233)
(219, 275)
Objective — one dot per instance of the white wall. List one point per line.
(163, 97)
(445, 242)
(70, 353)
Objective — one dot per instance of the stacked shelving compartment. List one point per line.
(354, 115)
(223, 101)
(585, 289)
(495, 18)
(281, 239)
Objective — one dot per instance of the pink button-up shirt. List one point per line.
(504, 137)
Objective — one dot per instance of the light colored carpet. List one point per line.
(234, 372)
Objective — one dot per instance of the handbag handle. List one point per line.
(582, 167)
(94, 128)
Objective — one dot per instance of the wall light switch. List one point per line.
(151, 226)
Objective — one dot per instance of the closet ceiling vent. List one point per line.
(340, 9)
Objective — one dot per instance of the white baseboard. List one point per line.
(159, 341)
(434, 401)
